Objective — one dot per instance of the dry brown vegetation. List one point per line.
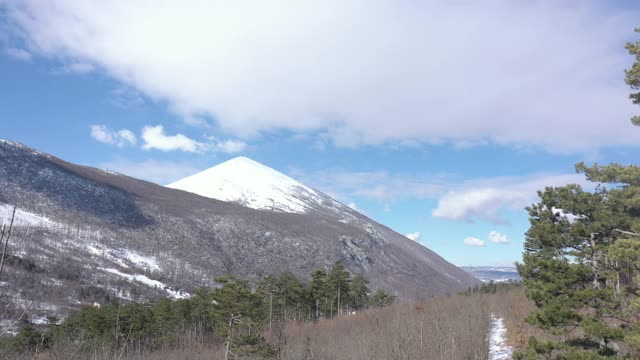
(448, 327)
(444, 328)
(513, 307)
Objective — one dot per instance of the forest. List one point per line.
(235, 313)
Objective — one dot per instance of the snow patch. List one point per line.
(176, 294)
(254, 185)
(39, 320)
(23, 218)
(24, 147)
(498, 347)
(144, 261)
(119, 256)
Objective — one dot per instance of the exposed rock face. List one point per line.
(88, 235)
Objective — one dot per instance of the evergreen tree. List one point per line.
(318, 295)
(581, 261)
(359, 291)
(338, 286)
(632, 77)
(564, 262)
(290, 294)
(382, 298)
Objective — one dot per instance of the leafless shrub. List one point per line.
(442, 328)
(513, 306)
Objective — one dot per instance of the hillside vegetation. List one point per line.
(239, 323)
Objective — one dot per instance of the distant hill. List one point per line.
(493, 273)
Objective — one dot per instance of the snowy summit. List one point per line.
(249, 183)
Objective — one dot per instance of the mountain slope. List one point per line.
(88, 235)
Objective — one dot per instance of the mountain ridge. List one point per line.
(102, 224)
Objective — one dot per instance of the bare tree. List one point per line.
(5, 235)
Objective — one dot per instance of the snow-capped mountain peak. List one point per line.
(254, 185)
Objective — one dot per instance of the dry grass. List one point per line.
(454, 327)
(444, 328)
(513, 307)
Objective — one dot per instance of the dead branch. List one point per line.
(17, 320)
(630, 233)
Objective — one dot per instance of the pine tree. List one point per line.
(581, 261)
(358, 291)
(632, 76)
(290, 294)
(565, 263)
(318, 292)
(382, 298)
(338, 286)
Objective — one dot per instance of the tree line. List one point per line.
(234, 313)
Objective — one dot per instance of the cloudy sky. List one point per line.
(440, 119)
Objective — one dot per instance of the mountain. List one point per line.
(249, 183)
(493, 273)
(86, 235)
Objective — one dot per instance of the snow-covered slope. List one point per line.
(249, 183)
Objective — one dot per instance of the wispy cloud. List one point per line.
(119, 138)
(486, 199)
(79, 68)
(498, 238)
(515, 73)
(230, 146)
(155, 138)
(18, 54)
(473, 241)
(415, 236)
(157, 171)
(126, 97)
(458, 199)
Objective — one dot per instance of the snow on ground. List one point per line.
(257, 186)
(119, 255)
(144, 261)
(498, 347)
(39, 320)
(149, 282)
(22, 217)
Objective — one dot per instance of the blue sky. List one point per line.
(436, 119)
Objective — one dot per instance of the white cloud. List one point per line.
(458, 199)
(382, 186)
(79, 68)
(415, 236)
(478, 203)
(231, 146)
(155, 138)
(18, 54)
(473, 241)
(516, 73)
(353, 206)
(486, 199)
(159, 172)
(498, 238)
(118, 138)
(126, 97)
